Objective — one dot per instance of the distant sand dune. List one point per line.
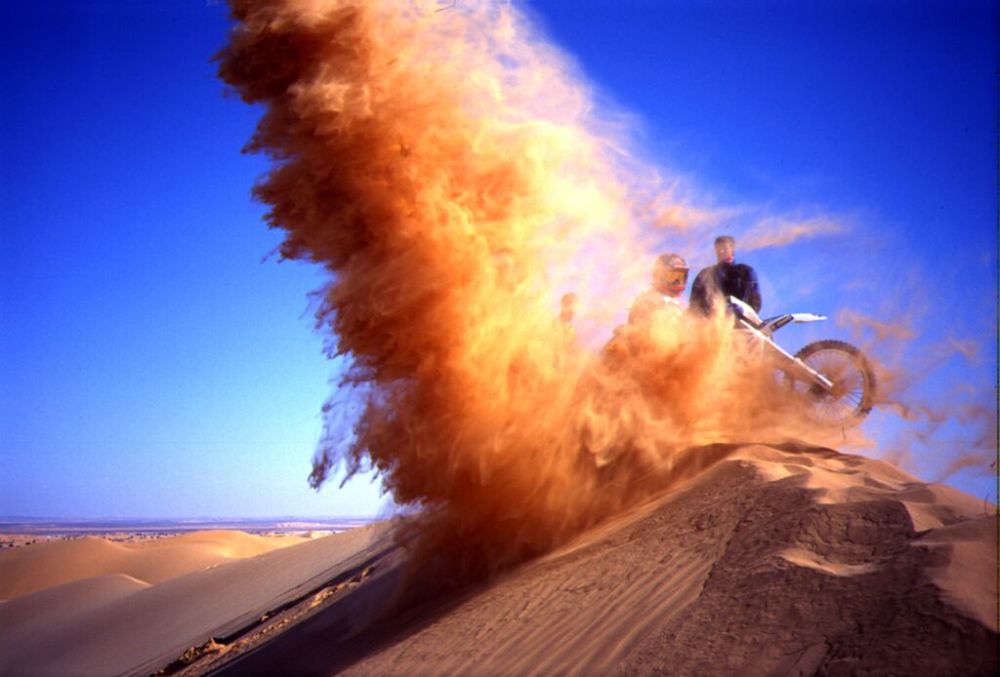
(43, 565)
(113, 623)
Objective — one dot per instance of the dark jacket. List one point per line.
(724, 279)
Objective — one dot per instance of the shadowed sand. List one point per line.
(772, 561)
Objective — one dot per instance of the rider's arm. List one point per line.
(753, 290)
(639, 311)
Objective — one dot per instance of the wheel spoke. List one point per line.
(852, 382)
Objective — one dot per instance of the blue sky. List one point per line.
(155, 362)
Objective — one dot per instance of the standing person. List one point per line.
(725, 278)
(670, 274)
(567, 307)
(567, 311)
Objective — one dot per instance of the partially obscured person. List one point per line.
(726, 278)
(567, 307)
(670, 274)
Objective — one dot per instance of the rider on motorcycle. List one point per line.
(670, 273)
(725, 278)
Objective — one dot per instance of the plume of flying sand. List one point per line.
(948, 430)
(774, 232)
(449, 171)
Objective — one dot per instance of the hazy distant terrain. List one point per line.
(50, 526)
(18, 531)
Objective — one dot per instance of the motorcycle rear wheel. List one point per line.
(853, 384)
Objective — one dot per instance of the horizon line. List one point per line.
(49, 519)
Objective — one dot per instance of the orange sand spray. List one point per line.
(449, 170)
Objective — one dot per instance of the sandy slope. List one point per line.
(115, 623)
(776, 561)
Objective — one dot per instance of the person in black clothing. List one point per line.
(725, 278)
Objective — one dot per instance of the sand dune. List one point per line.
(115, 624)
(43, 565)
(775, 560)
(31, 622)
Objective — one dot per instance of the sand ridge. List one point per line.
(778, 559)
(782, 559)
(944, 518)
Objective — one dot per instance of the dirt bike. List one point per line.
(834, 379)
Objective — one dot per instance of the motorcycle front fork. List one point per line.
(759, 344)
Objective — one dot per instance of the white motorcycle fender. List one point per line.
(807, 317)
